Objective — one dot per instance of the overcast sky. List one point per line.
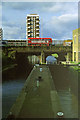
(57, 19)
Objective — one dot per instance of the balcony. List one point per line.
(31, 19)
(37, 25)
(28, 26)
(28, 30)
(31, 27)
(28, 18)
(31, 24)
(37, 33)
(28, 23)
(37, 21)
(37, 36)
(31, 31)
(37, 30)
(31, 35)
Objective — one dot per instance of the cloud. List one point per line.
(59, 19)
(68, 17)
(79, 14)
(61, 27)
(0, 15)
(40, 0)
(41, 6)
(14, 32)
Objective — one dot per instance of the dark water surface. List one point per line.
(12, 82)
(66, 82)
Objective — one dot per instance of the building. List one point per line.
(32, 26)
(76, 45)
(67, 42)
(1, 34)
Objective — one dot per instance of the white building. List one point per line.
(32, 26)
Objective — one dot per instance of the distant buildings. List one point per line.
(67, 42)
(32, 26)
(76, 45)
(1, 34)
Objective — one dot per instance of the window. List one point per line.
(79, 55)
(79, 38)
(74, 39)
(74, 56)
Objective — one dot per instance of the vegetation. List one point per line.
(55, 55)
(77, 68)
(7, 61)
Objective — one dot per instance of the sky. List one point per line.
(57, 19)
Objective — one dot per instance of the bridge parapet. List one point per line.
(42, 51)
(42, 48)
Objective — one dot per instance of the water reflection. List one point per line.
(66, 83)
(10, 91)
(69, 104)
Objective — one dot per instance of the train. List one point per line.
(36, 42)
(14, 42)
(39, 41)
(29, 42)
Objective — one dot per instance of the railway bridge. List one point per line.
(42, 52)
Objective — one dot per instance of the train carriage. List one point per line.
(39, 41)
(16, 42)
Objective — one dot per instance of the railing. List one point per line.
(57, 42)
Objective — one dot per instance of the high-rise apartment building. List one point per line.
(1, 34)
(32, 30)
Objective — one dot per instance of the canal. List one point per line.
(66, 83)
(12, 82)
(65, 80)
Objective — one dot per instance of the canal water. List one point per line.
(66, 83)
(65, 80)
(12, 82)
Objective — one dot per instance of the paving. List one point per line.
(38, 98)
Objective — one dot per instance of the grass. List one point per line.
(76, 68)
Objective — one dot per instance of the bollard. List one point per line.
(37, 83)
(40, 69)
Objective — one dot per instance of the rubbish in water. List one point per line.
(40, 69)
(60, 114)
